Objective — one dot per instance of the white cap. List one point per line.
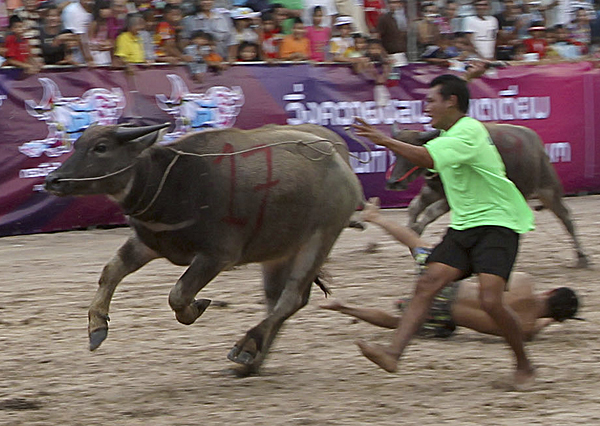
(343, 20)
(244, 13)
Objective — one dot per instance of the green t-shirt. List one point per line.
(474, 178)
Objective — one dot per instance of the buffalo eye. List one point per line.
(100, 148)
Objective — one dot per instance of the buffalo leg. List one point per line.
(129, 258)
(294, 276)
(431, 213)
(554, 202)
(181, 298)
(419, 204)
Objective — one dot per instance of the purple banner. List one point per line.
(43, 115)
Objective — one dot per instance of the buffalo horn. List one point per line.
(126, 134)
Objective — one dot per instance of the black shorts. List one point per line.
(480, 250)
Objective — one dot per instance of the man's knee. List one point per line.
(428, 286)
(491, 302)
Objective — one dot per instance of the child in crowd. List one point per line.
(318, 36)
(166, 35)
(248, 52)
(55, 41)
(243, 32)
(18, 52)
(100, 43)
(537, 43)
(563, 47)
(341, 47)
(296, 46)
(214, 61)
(197, 51)
(270, 37)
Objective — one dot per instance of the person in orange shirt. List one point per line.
(296, 46)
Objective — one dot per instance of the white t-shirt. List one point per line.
(329, 9)
(76, 19)
(484, 34)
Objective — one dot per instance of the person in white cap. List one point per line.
(341, 47)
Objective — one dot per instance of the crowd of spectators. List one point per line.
(371, 35)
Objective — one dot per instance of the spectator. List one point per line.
(197, 51)
(529, 14)
(262, 6)
(211, 21)
(373, 10)
(428, 31)
(537, 43)
(392, 28)
(77, 16)
(296, 46)
(341, 47)
(18, 51)
(483, 29)
(100, 44)
(449, 23)
(129, 47)
(166, 35)
(214, 61)
(290, 9)
(270, 37)
(115, 22)
(53, 39)
(379, 67)
(563, 48)
(329, 12)
(318, 36)
(509, 25)
(31, 21)
(248, 52)
(581, 31)
(148, 35)
(243, 18)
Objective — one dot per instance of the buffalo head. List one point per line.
(102, 160)
(402, 172)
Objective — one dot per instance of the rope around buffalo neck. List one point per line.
(179, 154)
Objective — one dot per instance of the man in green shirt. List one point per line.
(488, 214)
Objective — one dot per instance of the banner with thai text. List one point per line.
(42, 116)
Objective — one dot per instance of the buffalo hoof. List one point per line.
(582, 262)
(244, 358)
(201, 305)
(97, 337)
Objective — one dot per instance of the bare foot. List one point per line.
(379, 355)
(333, 306)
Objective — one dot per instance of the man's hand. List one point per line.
(362, 128)
(371, 212)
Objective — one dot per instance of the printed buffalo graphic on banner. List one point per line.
(217, 108)
(68, 117)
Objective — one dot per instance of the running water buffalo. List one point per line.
(527, 165)
(278, 195)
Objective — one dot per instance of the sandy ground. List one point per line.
(154, 371)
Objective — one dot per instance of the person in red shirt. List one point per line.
(18, 53)
(537, 43)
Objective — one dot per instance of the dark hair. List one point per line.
(267, 16)
(169, 8)
(245, 44)
(14, 20)
(276, 6)
(297, 20)
(374, 41)
(562, 304)
(358, 35)
(199, 34)
(317, 9)
(453, 85)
